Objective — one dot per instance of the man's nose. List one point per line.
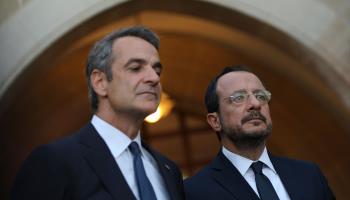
(253, 102)
(151, 75)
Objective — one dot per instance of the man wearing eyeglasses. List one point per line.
(238, 111)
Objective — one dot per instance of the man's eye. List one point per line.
(261, 97)
(238, 98)
(135, 68)
(158, 71)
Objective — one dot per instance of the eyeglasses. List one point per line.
(241, 96)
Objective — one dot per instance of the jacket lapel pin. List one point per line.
(167, 166)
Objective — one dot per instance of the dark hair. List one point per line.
(211, 97)
(101, 55)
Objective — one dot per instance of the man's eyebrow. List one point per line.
(258, 90)
(134, 60)
(239, 91)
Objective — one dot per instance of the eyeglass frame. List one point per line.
(246, 95)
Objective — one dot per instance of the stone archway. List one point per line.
(55, 102)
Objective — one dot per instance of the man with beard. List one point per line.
(238, 111)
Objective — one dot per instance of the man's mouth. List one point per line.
(148, 93)
(256, 119)
(254, 116)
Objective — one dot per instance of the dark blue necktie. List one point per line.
(265, 188)
(144, 186)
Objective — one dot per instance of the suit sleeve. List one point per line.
(40, 177)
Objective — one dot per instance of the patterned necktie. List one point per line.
(144, 186)
(265, 188)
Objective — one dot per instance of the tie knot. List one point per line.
(257, 167)
(134, 148)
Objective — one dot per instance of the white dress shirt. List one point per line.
(243, 166)
(118, 144)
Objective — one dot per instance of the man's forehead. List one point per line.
(131, 46)
(238, 80)
(130, 41)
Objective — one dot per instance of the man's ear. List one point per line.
(99, 82)
(214, 121)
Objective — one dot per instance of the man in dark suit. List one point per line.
(238, 111)
(107, 159)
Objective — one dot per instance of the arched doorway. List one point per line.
(49, 99)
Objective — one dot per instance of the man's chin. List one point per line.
(148, 110)
(250, 140)
(254, 128)
(250, 137)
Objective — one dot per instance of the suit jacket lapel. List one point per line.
(229, 178)
(165, 171)
(288, 179)
(101, 160)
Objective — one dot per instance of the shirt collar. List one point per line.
(115, 139)
(266, 160)
(243, 164)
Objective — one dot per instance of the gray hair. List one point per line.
(101, 55)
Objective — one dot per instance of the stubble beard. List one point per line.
(246, 140)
